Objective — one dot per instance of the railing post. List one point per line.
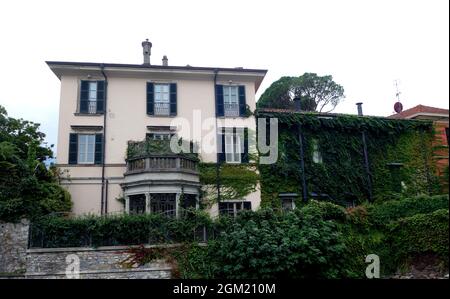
(178, 163)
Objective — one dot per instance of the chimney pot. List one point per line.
(146, 48)
(359, 105)
(165, 61)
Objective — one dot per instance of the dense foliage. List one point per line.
(122, 229)
(27, 188)
(340, 175)
(141, 149)
(316, 92)
(317, 240)
(236, 181)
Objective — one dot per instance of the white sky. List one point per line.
(364, 45)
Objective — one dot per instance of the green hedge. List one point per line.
(421, 233)
(386, 212)
(117, 230)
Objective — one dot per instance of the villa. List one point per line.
(106, 108)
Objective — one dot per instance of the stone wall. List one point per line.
(102, 262)
(16, 261)
(13, 247)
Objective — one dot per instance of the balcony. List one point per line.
(156, 178)
(161, 163)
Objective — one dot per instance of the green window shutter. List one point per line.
(84, 96)
(244, 155)
(98, 155)
(101, 93)
(221, 155)
(173, 99)
(242, 102)
(219, 100)
(73, 148)
(150, 99)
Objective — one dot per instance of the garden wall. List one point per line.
(13, 247)
(102, 262)
(16, 261)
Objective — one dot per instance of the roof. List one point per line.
(161, 67)
(61, 68)
(421, 110)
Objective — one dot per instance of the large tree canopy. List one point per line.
(317, 93)
(27, 188)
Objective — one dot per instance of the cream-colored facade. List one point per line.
(125, 119)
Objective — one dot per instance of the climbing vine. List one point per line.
(340, 174)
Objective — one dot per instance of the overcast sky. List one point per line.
(364, 45)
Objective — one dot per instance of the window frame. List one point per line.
(157, 91)
(235, 204)
(236, 146)
(85, 148)
(317, 157)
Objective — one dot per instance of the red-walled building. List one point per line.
(440, 117)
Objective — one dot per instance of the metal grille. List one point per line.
(92, 107)
(137, 204)
(162, 108)
(231, 109)
(163, 203)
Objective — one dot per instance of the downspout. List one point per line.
(366, 156)
(216, 71)
(103, 203)
(302, 153)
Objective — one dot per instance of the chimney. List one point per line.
(297, 104)
(165, 61)
(359, 105)
(146, 47)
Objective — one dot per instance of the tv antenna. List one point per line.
(398, 107)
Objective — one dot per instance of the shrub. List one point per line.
(278, 245)
(421, 233)
(386, 212)
(325, 210)
(117, 230)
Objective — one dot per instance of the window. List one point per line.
(137, 204)
(231, 100)
(159, 136)
(232, 148)
(317, 155)
(86, 149)
(287, 203)
(92, 96)
(163, 203)
(233, 208)
(162, 99)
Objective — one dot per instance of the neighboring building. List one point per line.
(104, 106)
(440, 117)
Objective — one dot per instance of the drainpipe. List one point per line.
(216, 71)
(302, 153)
(366, 156)
(103, 203)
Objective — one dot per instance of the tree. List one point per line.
(317, 93)
(27, 188)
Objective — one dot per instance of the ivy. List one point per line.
(342, 175)
(236, 181)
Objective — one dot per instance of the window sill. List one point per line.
(162, 116)
(87, 114)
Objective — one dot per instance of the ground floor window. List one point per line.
(232, 208)
(287, 201)
(163, 203)
(137, 204)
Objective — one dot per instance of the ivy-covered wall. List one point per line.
(341, 174)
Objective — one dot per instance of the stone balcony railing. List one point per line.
(158, 163)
